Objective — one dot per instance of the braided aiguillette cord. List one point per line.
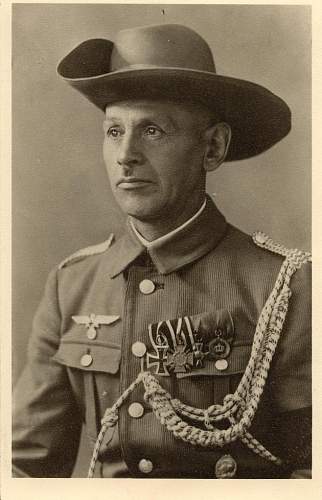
(239, 408)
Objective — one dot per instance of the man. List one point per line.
(185, 345)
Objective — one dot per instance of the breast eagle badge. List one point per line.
(93, 321)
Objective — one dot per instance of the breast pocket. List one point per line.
(93, 370)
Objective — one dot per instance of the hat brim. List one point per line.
(258, 118)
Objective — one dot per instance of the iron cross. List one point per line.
(160, 359)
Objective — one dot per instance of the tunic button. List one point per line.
(138, 349)
(146, 287)
(221, 364)
(86, 360)
(136, 410)
(145, 466)
(226, 467)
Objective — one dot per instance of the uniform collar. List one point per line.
(168, 236)
(193, 241)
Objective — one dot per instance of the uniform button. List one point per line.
(261, 238)
(138, 349)
(221, 364)
(136, 410)
(86, 360)
(91, 333)
(226, 467)
(146, 287)
(145, 466)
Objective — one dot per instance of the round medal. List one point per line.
(218, 348)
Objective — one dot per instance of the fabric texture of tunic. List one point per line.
(210, 272)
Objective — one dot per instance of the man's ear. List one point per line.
(217, 143)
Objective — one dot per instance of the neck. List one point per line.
(152, 230)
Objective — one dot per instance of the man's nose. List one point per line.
(129, 153)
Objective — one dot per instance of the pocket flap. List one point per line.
(89, 356)
(236, 363)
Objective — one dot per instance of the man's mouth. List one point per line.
(132, 183)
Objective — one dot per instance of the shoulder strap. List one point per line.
(88, 251)
(298, 257)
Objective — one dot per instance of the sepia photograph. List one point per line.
(161, 239)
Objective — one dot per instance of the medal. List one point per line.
(219, 348)
(198, 354)
(180, 360)
(160, 358)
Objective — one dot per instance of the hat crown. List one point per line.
(173, 62)
(167, 45)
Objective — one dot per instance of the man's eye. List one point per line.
(113, 132)
(153, 131)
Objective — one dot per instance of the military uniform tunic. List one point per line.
(209, 272)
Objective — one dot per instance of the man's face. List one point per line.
(153, 153)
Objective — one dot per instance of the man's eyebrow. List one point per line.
(111, 118)
(163, 120)
(145, 120)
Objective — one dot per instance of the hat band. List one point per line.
(134, 67)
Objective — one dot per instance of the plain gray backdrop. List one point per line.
(61, 197)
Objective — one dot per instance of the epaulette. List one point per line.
(88, 251)
(264, 241)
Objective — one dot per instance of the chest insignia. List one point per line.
(199, 353)
(159, 360)
(219, 347)
(184, 344)
(181, 360)
(93, 321)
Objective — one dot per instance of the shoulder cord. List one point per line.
(264, 241)
(239, 408)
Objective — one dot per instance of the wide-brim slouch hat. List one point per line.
(173, 62)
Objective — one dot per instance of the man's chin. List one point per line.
(144, 216)
(135, 203)
(142, 212)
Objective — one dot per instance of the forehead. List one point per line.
(163, 109)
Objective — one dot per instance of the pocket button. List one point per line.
(86, 360)
(221, 364)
